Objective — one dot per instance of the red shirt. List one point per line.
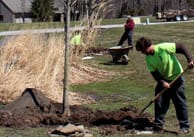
(129, 26)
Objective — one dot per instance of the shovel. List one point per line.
(162, 91)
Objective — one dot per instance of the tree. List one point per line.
(42, 10)
(67, 8)
(191, 3)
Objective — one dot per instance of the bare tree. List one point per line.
(66, 108)
(147, 7)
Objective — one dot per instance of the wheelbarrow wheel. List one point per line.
(125, 62)
(125, 59)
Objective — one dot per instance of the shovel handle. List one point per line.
(162, 91)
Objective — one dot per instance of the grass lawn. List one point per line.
(133, 85)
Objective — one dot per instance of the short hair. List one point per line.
(143, 43)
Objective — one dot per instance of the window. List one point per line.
(1, 17)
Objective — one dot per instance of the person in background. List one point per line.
(76, 43)
(76, 39)
(128, 33)
(165, 67)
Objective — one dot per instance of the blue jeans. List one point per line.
(126, 35)
(177, 94)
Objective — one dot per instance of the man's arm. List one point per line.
(181, 48)
(156, 75)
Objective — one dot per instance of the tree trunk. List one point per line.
(66, 108)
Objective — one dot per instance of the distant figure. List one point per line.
(128, 33)
(76, 43)
(76, 39)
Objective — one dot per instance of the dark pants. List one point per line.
(126, 35)
(177, 94)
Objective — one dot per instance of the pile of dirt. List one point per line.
(33, 109)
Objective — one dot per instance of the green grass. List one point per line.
(27, 132)
(133, 84)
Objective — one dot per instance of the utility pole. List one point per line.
(66, 108)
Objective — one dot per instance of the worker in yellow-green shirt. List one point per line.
(76, 39)
(76, 44)
(165, 67)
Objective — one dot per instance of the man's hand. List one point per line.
(191, 64)
(165, 84)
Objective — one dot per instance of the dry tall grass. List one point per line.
(31, 61)
(37, 61)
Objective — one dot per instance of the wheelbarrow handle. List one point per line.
(162, 91)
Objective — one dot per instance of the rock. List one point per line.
(88, 135)
(70, 128)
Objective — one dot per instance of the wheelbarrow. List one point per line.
(120, 54)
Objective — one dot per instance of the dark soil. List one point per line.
(33, 109)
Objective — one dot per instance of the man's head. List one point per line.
(143, 44)
(129, 18)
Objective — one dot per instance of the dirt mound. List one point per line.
(33, 109)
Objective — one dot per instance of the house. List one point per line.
(16, 11)
(58, 10)
(19, 11)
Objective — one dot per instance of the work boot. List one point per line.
(130, 47)
(185, 131)
(158, 129)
